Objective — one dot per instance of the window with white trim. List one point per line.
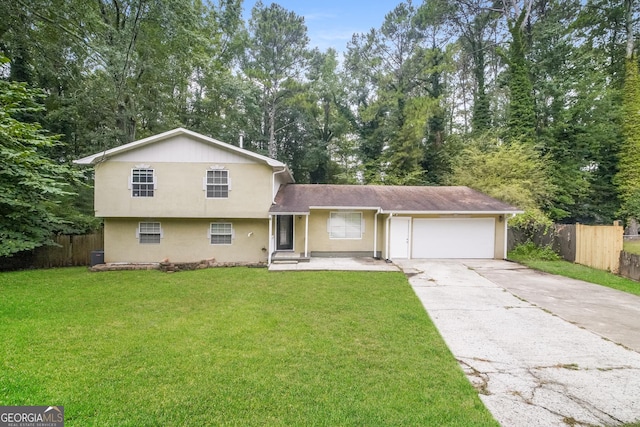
(345, 225)
(217, 184)
(149, 232)
(143, 183)
(221, 233)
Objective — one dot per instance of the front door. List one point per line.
(284, 232)
(399, 237)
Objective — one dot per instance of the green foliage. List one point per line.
(514, 173)
(275, 58)
(398, 81)
(399, 109)
(531, 221)
(30, 182)
(628, 176)
(521, 117)
(529, 251)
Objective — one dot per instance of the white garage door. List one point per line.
(453, 238)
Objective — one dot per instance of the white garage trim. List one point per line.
(400, 237)
(453, 238)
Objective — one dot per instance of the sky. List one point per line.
(332, 23)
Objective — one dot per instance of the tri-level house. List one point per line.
(187, 197)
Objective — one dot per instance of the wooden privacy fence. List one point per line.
(599, 246)
(71, 250)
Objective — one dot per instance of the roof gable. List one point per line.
(180, 145)
(300, 198)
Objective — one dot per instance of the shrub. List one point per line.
(531, 251)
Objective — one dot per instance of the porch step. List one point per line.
(288, 258)
(284, 261)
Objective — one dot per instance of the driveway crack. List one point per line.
(545, 384)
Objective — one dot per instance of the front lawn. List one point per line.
(632, 246)
(228, 347)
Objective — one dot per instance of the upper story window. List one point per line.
(143, 183)
(149, 232)
(217, 184)
(346, 225)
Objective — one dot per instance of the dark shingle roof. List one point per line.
(298, 198)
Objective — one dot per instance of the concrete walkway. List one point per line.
(336, 264)
(530, 365)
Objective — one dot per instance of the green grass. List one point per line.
(234, 347)
(632, 246)
(581, 272)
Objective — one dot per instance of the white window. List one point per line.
(143, 183)
(221, 233)
(217, 184)
(149, 232)
(346, 225)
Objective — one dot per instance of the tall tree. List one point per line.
(276, 56)
(30, 183)
(324, 102)
(628, 178)
(393, 73)
(475, 20)
(521, 119)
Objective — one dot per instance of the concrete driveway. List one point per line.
(541, 350)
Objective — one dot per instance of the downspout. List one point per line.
(506, 234)
(306, 236)
(270, 240)
(387, 237)
(273, 183)
(273, 201)
(375, 233)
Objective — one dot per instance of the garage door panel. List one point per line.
(453, 238)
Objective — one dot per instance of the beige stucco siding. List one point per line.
(185, 240)
(319, 240)
(179, 191)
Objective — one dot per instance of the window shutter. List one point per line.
(155, 182)
(204, 183)
(362, 224)
(329, 225)
(130, 181)
(228, 181)
(138, 231)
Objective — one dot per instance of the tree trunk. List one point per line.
(632, 227)
(628, 12)
(272, 131)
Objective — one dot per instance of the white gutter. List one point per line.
(352, 208)
(392, 212)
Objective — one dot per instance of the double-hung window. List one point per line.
(149, 232)
(221, 233)
(217, 184)
(143, 183)
(345, 225)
